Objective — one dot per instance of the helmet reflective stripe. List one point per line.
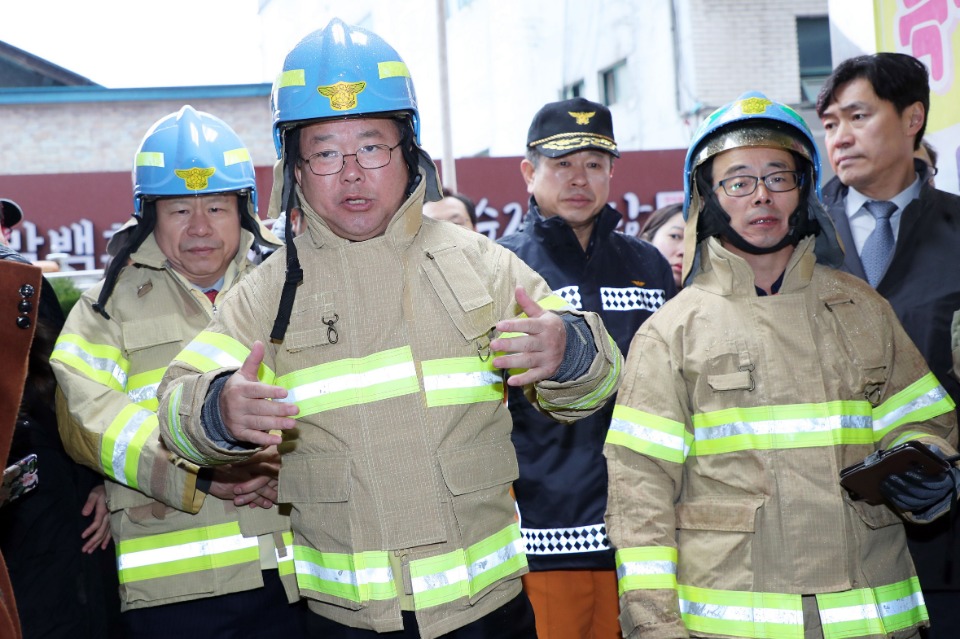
(341, 70)
(191, 153)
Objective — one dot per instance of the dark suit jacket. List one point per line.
(922, 284)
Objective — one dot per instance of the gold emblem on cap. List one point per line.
(582, 117)
(752, 106)
(195, 179)
(343, 95)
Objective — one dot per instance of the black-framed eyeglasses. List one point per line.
(744, 185)
(330, 161)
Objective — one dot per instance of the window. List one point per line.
(813, 40)
(575, 90)
(611, 83)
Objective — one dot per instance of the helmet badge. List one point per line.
(195, 179)
(582, 117)
(343, 95)
(753, 106)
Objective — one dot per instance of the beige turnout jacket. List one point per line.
(173, 542)
(736, 414)
(400, 472)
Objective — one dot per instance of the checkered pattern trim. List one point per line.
(559, 541)
(571, 294)
(633, 298)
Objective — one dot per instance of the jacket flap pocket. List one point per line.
(480, 466)
(460, 291)
(146, 333)
(742, 380)
(300, 340)
(323, 478)
(729, 516)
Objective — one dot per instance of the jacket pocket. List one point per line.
(461, 291)
(149, 333)
(874, 517)
(863, 344)
(716, 542)
(315, 324)
(318, 487)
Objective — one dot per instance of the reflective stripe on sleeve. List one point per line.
(461, 380)
(599, 394)
(649, 434)
(142, 388)
(868, 612)
(212, 351)
(650, 568)
(185, 551)
(759, 615)
(102, 363)
(350, 382)
(359, 577)
(175, 429)
(922, 400)
(122, 443)
(285, 563)
(464, 573)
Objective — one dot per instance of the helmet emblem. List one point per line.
(753, 106)
(196, 178)
(582, 117)
(343, 95)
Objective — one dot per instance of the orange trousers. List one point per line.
(574, 604)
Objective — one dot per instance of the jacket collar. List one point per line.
(727, 274)
(556, 228)
(149, 254)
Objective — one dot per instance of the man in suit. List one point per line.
(902, 235)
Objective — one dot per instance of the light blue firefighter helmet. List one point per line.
(192, 153)
(341, 71)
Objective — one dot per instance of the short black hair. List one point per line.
(467, 203)
(895, 77)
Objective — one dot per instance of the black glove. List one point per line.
(925, 496)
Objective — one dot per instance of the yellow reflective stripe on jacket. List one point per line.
(918, 402)
(352, 381)
(185, 551)
(759, 615)
(461, 380)
(872, 611)
(464, 573)
(359, 577)
(210, 351)
(600, 393)
(783, 427)
(649, 434)
(648, 568)
(142, 388)
(122, 443)
(285, 564)
(102, 363)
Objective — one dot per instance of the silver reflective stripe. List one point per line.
(353, 578)
(644, 568)
(439, 579)
(192, 550)
(118, 458)
(460, 380)
(499, 556)
(929, 398)
(870, 611)
(742, 613)
(97, 363)
(144, 393)
(652, 435)
(785, 426)
(213, 353)
(350, 381)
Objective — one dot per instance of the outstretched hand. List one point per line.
(247, 408)
(540, 347)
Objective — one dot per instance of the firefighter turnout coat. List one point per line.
(736, 415)
(400, 479)
(173, 544)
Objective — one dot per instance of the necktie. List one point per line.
(211, 295)
(878, 249)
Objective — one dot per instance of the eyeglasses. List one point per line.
(744, 185)
(330, 162)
